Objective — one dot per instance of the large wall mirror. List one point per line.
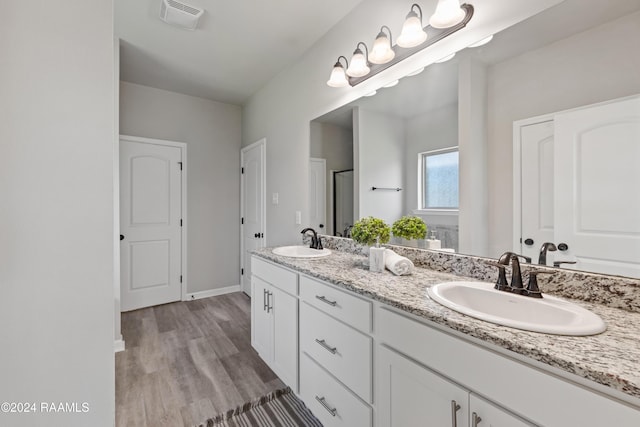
(455, 121)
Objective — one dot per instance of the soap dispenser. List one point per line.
(433, 242)
(376, 257)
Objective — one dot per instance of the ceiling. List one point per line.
(237, 48)
(437, 86)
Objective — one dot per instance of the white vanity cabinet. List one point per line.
(336, 355)
(512, 391)
(410, 395)
(274, 318)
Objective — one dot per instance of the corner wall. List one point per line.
(211, 131)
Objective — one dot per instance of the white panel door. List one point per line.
(150, 221)
(410, 395)
(317, 194)
(261, 319)
(285, 336)
(597, 183)
(253, 208)
(536, 170)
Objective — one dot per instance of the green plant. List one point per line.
(366, 231)
(409, 227)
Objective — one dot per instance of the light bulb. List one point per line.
(338, 77)
(358, 66)
(381, 52)
(412, 33)
(448, 13)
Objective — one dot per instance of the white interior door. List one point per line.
(252, 207)
(597, 182)
(318, 194)
(537, 208)
(150, 221)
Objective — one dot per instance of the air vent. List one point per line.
(180, 14)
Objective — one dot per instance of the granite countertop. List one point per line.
(611, 358)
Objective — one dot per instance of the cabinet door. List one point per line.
(284, 308)
(411, 395)
(261, 319)
(486, 414)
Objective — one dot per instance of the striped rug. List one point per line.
(278, 409)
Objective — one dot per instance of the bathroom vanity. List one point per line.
(372, 349)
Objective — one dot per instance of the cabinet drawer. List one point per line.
(348, 308)
(340, 349)
(277, 276)
(341, 407)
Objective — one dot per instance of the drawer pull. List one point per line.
(475, 420)
(326, 301)
(264, 300)
(454, 417)
(322, 401)
(327, 347)
(269, 303)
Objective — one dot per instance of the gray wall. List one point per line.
(57, 141)
(596, 65)
(211, 131)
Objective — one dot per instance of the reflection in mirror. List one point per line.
(576, 54)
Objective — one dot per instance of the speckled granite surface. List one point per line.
(611, 358)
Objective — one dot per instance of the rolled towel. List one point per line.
(397, 264)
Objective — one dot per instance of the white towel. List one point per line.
(397, 264)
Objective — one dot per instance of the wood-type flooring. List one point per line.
(188, 361)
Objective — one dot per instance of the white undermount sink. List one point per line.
(548, 315)
(301, 252)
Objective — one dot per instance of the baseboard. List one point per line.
(212, 293)
(118, 345)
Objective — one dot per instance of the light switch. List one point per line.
(274, 198)
(298, 217)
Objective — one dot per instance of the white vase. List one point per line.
(376, 259)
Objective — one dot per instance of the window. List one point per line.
(439, 179)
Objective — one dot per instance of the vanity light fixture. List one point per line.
(382, 52)
(448, 13)
(446, 58)
(482, 42)
(448, 18)
(412, 33)
(416, 72)
(358, 66)
(338, 77)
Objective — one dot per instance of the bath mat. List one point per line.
(280, 408)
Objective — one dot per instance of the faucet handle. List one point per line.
(501, 283)
(319, 243)
(532, 288)
(559, 263)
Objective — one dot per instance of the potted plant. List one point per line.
(372, 231)
(409, 228)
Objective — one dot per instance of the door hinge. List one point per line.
(242, 170)
(181, 278)
(180, 222)
(242, 220)
(180, 163)
(242, 271)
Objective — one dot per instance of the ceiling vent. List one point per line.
(180, 14)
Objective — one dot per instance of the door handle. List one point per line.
(326, 301)
(269, 304)
(529, 241)
(326, 346)
(122, 237)
(475, 420)
(454, 416)
(264, 300)
(324, 404)
(563, 247)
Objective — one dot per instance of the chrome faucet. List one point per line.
(546, 246)
(316, 243)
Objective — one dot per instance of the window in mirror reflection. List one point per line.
(439, 183)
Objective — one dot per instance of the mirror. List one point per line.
(388, 131)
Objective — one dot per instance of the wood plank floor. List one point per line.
(188, 361)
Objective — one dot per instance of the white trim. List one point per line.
(262, 143)
(212, 293)
(517, 176)
(183, 158)
(118, 345)
(434, 212)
